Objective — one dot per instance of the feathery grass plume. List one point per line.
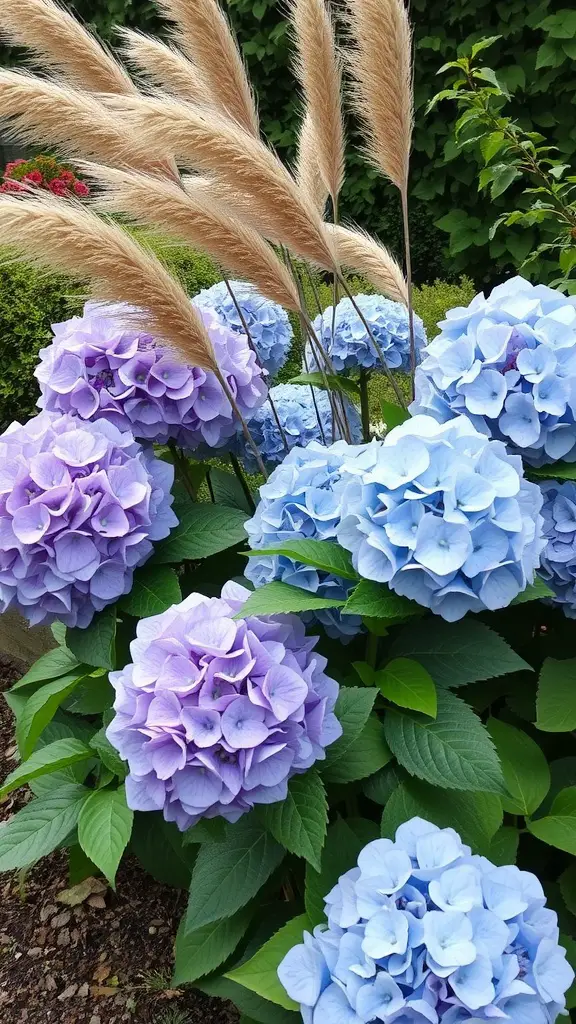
(45, 112)
(165, 67)
(358, 251)
(51, 33)
(204, 34)
(319, 72)
(196, 219)
(381, 62)
(264, 191)
(60, 235)
(308, 175)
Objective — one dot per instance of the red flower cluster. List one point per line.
(43, 172)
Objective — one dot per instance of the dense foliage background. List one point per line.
(536, 37)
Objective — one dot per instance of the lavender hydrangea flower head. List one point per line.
(350, 346)
(422, 932)
(444, 516)
(558, 566)
(303, 418)
(99, 365)
(508, 362)
(80, 504)
(301, 501)
(215, 715)
(268, 323)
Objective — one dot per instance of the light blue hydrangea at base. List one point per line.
(303, 418)
(444, 516)
(508, 362)
(558, 567)
(350, 346)
(423, 932)
(268, 323)
(300, 501)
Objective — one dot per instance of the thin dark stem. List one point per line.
(246, 330)
(376, 344)
(365, 404)
(235, 409)
(210, 487)
(372, 650)
(314, 402)
(181, 464)
(243, 482)
(408, 262)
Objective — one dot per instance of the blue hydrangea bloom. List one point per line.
(558, 565)
(214, 715)
(508, 362)
(302, 420)
(444, 516)
(300, 501)
(350, 347)
(268, 323)
(80, 504)
(423, 932)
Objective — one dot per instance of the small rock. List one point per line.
(5, 940)
(98, 902)
(36, 951)
(49, 983)
(47, 912)
(94, 1020)
(63, 937)
(158, 922)
(61, 920)
(152, 930)
(83, 991)
(68, 993)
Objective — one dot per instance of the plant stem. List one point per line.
(181, 464)
(408, 262)
(246, 330)
(365, 404)
(226, 389)
(243, 482)
(372, 650)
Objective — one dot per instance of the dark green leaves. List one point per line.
(280, 599)
(203, 530)
(558, 828)
(260, 974)
(299, 822)
(453, 751)
(155, 589)
(556, 701)
(104, 829)
(393, 415)
(39, 709)
(332, 381)
(227, 875)
(458, 653)
(366, 754)
(201, 951)
(40, 827)
(534, 592)
(95, 645)
(526, 771)
(58, 662)
(343, 844)
(108, 754)
(407, 683)
(353, 707)
(321, 554)
(51, 758)
(376, 601)
(475, 816)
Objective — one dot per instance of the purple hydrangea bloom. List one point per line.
(301, 501)
(302, 420)
(99, 365)
(350, 346)
(423, 932)
(444, 516)
(80, 504)
(558, 566)
(508, 362)
(215, 715)
(268, 323)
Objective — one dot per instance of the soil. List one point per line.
(105, 960)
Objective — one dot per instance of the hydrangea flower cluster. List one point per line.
(268, 323)
(303, 418)
(350, 346)
(301, 501)
(215, 715)
(80, 504)
(444, 516)
(421, 931)
(558, 565)
(100, 366)
(508, 362)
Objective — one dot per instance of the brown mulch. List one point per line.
(106, 960)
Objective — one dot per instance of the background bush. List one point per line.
(535, 57)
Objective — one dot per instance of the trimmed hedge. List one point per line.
(31, 301)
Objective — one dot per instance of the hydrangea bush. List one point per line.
(329, 691)
(99, 365)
